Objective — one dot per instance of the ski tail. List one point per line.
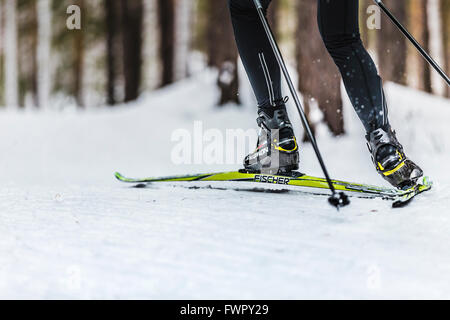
(404, 200)
(186, 178)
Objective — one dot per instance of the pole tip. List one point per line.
(339, 200)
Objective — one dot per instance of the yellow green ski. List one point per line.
(296, 179)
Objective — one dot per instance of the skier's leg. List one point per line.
(277, 149)
(339, 27)
(256, 52)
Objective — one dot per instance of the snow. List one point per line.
(69, 230)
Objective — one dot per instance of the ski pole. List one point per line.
(416, 44)
(337, 200)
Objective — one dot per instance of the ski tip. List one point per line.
(426, 181)
(425, 186)
(118, 176)
(122, 178)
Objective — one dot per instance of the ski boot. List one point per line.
(277, 148)
(390, 159)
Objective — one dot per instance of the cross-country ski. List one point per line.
(399, 198)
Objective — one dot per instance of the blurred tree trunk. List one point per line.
(319, 77)
(132, 23)
(2, 82)
(111, 10)
(11, 48)
(415, 62)
(367, 35)
(392, 46)
(183, 34)
(445, 4)
(363, 4)
(436, 43)
(419, 75)
(222, 51)
(44, 25)
(78, 67)
(426, 44)
(166, 17)
(151, 46)
(27, 27)
(272, 15)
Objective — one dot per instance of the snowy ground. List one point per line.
(69, 230)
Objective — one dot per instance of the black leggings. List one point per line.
(339, 28)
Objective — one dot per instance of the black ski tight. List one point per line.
(339, 27)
